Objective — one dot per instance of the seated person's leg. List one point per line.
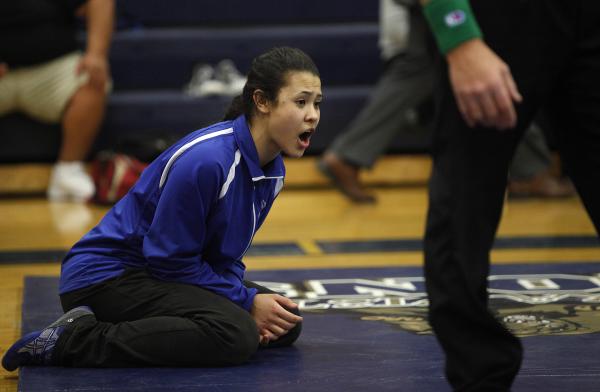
(136, 320)
(55, 93)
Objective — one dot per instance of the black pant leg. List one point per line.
(466, 194)
(576, 108)
(141, 321)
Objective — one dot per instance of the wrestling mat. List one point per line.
(366, 330)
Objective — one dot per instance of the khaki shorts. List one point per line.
(41, 91)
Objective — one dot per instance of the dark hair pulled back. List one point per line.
(268, 74)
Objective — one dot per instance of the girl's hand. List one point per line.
(271, 316)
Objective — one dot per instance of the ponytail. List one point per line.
(236, 108)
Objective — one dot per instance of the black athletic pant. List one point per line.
(142, 321)
(553, 50)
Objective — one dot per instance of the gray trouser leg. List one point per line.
(382, 118)
(407, 81)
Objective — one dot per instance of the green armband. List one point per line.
(452, 22)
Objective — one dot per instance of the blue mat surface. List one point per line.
(364, 329)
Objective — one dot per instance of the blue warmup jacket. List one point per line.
(190, 218)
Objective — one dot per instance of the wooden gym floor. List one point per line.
(306, 213)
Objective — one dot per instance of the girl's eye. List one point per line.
(317, 104)
(301, 102)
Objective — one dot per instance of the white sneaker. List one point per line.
(226, 72)
(69, 181)
(203, 82)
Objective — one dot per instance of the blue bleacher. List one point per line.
(164, 57)
(156, 13)
(158, 43)
(152, 59)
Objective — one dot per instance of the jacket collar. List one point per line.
(243, 137)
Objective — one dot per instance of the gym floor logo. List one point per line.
(528, 305)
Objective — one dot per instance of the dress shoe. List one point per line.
(543, 185)
(345, 177)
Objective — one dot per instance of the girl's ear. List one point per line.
(261, 102)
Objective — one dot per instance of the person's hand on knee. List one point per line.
(271, 316)
(97, 69)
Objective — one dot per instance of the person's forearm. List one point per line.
(451, 21)
(100, 24)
